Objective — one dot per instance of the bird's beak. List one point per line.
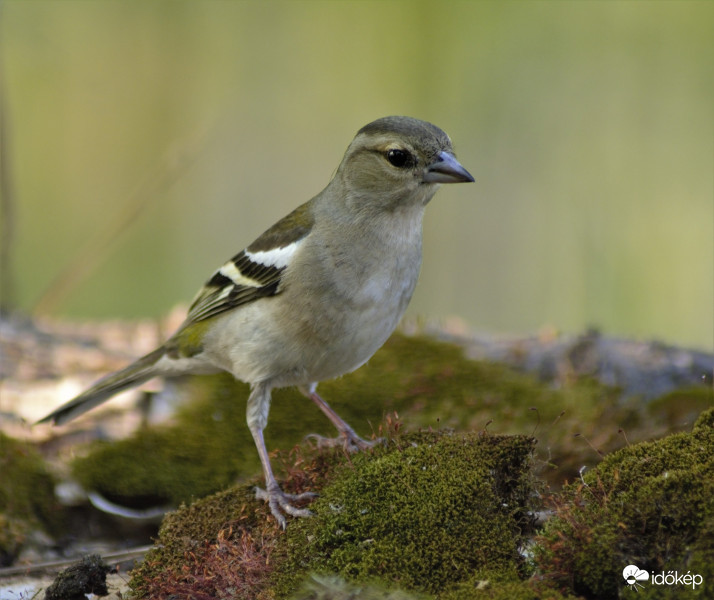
(446, 169)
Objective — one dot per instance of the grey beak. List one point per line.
(446, 169)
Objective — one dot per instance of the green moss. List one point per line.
(502, 584)
(224, 541)
(704, 423)
(429, 383)
(205, 536)
(206, 452)
(421, 514)
(26, 496)
(678, 410)
(650, 504)
(13, 532)
(418, 514)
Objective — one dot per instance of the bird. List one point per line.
(314, 296)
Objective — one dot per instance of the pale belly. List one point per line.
(297, 344)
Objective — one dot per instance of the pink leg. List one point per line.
(348, 438)
(277, 500)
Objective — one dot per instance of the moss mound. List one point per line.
(420, 514)
(226, 545)
(27, 497)
(650, 504)
(423, 514)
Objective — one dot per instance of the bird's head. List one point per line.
(395, 161)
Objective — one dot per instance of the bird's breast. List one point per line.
(339, 301)
(362, 305)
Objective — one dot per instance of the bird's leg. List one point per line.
(348, 438)
(278, 501)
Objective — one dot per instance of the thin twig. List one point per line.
(57, 565)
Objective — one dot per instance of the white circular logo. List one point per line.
(633, 574)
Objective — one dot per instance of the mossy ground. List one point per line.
(443, 515)
(421, 513)
(650, 504)
(27, 499)
(428, 383)
(371, 526)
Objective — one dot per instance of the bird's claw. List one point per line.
(350, 441)
(280, 502)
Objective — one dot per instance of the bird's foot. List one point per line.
(280, 502)
(348, 440)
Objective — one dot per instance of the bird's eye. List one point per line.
(400, 158)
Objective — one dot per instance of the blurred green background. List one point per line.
(157, 139)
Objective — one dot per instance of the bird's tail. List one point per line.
(136, 373)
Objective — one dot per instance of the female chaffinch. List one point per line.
(317, 294)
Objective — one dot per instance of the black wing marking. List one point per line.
(239, 281)
(256, 271)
